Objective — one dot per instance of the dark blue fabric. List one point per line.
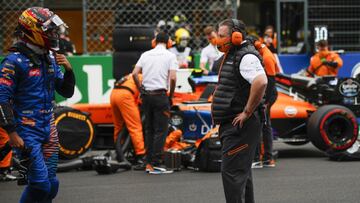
(30, 90)
(36, 192)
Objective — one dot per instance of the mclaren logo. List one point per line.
(290, 111)
(349, 88)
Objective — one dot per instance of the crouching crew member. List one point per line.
(29, 76)
(5, 157)
(124, 100)
(241, 87)
(158, 66)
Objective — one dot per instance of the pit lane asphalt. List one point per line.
(303, 174)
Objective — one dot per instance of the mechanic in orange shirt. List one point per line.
(271, 69)
(324, 62)
(124, 100)
(270, 38)
(5, 157)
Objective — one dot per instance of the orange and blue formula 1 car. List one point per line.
(321, 110)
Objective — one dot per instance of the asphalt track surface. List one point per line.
(303, 174)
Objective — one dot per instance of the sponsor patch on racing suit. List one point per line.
(30, 91)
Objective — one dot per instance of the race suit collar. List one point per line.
(36, 49)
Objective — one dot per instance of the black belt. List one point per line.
(156, 92)
(125, 88)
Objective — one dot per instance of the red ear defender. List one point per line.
(169, 44)
(236, 38)
(153, 43)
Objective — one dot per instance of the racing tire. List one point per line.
(123, 147)
(332, 128)
(351, 154)
(133, 38)
(75, 131)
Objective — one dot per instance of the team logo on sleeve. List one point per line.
(4, 81)
(28, 121)
(8, 71)
(34, 72)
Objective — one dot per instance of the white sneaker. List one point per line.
(163, 170)
(257, 164)
(6, 176)
(156, 170)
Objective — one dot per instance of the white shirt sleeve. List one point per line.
(174, 65)
(140, 62)
(250, 67)
(203, 56)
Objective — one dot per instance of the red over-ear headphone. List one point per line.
(168, 44)
(236, 36)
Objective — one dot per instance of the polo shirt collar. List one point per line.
(160, 46)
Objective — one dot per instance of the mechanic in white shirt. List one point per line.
(210, 53)
(158, 67)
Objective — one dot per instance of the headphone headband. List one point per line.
(236, 24)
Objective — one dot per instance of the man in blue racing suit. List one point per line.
(29, 76)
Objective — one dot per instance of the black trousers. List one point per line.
(157, 114)
(267, 135)
(238, 150)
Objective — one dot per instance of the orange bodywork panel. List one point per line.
(287, 107)
(99, 113)
(181, 97)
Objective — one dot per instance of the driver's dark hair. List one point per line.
(269, 27)
(322, 43)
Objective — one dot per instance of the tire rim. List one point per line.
(339, 129)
